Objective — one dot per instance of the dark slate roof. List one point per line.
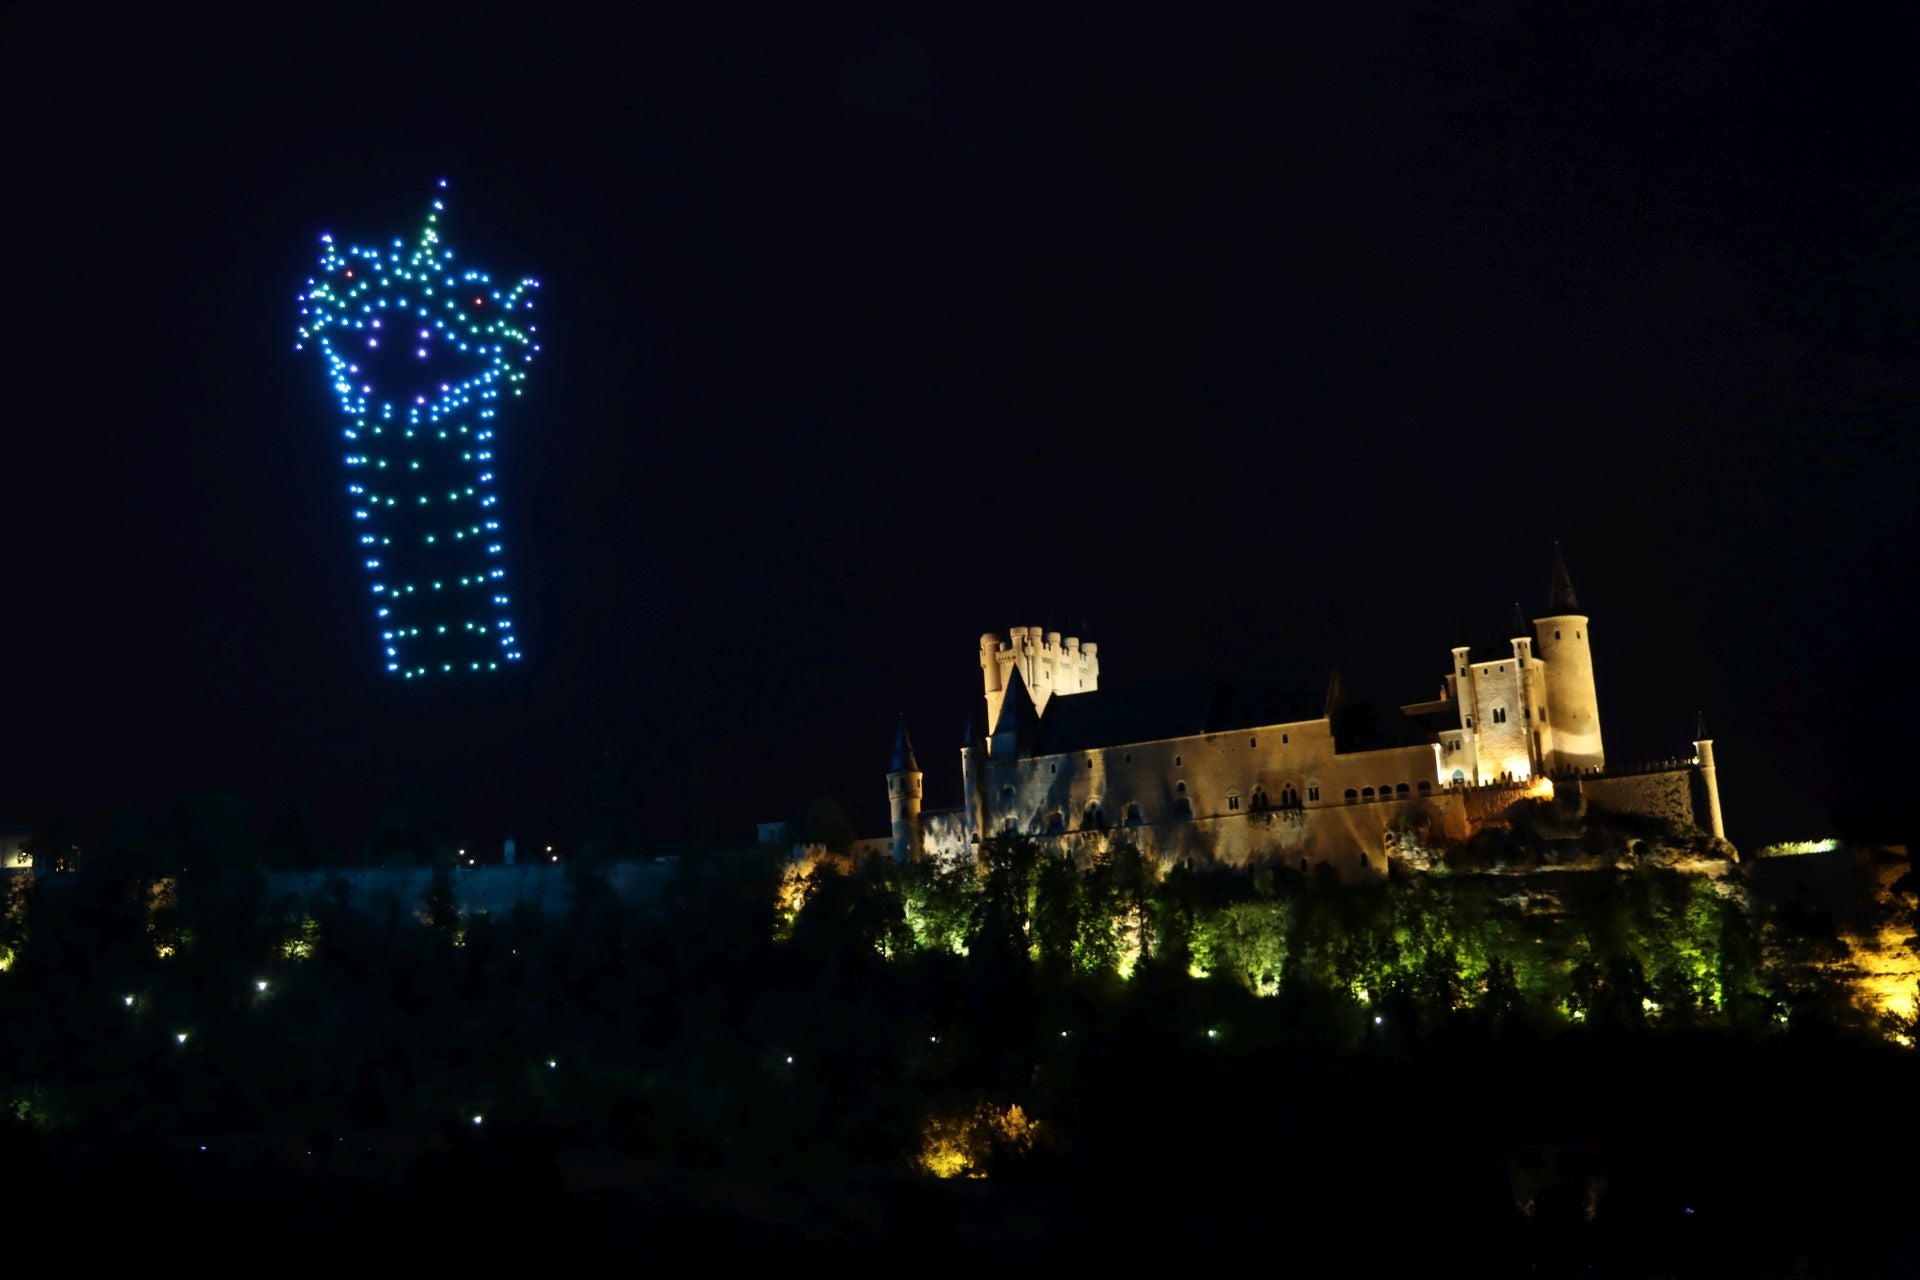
(1017, 712)
(1175, 707)
(1362, 726)
(1561, 598)
(1434, 719)
(903, 761)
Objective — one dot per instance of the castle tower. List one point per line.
(1048, 663)
(1530, 687)
(1709, 778)
(903, 796)
(971, 796)
(1466, 696)
(1573, 709)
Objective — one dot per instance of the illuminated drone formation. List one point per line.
(419, 353)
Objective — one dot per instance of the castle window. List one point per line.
(1425, 787)
(1056, 822)
(1253, 742)
(1366, 793)
(1556, 635)
(1283, 739)
(1093, 821)
(1499, 715)
(1352, 796)
(1133, 815)
(1006, 792)
(1183, 807)
(1543, 715)
(1129, 757)
(1469, 722)
(1180, 788)
(1233, 801)
(1400, 790)
(1053, 768)
(1576, 635)
(1258, 803)
(1176, 762)
(1313, 793)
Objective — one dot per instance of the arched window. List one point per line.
(1176, 762)
(1366, 793)
(1258, 801)
(1459, 778)
(1006, 792)
(1133, 815)
(1352, 796)
(1426, 788)
(1179, 788)
(1056, 822)
(1233, 801)
(1183, 807)
(1400, 790)
(1093, 820)
(1253, 742)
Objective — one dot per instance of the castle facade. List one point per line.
(1215, 772)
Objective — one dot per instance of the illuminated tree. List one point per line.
(418, 353)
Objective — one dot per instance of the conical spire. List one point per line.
(1017, 712)
(966, 735)
(903, 761)
(1520, 631)
(1562, 599)
(1699, 726)
(1336, 693)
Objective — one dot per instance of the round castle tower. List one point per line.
(903, 796)
(1572, 705)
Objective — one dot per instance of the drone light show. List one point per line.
(420, 352)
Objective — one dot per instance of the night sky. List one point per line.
(1258, 351)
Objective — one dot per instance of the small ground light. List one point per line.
(789, 1059)
(1377, 1019)
(261, 985)
(129, 1000)
(1213, 1035)
(551, 1064)
(479, 1119)
(180, 1037)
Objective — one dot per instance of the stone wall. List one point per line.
(1667, 794)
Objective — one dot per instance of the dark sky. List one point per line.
(1252, 350)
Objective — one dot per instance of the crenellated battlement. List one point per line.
(1049, 663)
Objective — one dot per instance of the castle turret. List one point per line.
(1709, 778)
(1572, 707)
(972, 796)
(1531, 691)
(903, 796)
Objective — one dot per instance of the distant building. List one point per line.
(1218, 772)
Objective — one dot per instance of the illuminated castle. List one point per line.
(1205, 770)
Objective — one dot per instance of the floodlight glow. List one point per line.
(425, 410)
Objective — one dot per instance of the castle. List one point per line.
(1216, 772)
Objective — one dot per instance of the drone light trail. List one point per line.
(420, 354)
